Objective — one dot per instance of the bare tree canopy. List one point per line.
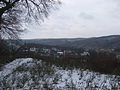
(14, 12)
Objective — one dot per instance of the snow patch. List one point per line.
(30, 74)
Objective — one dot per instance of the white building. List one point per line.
(33, 49)
(85, 54)
(60, 53)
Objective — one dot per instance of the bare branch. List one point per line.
(14, 12)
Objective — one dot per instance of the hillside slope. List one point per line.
(112, 41)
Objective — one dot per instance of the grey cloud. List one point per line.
(80, 18)
(87, 16)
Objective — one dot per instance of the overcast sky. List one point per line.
(79, 18)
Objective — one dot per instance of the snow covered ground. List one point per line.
(30, 74)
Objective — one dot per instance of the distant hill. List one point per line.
(112, 41)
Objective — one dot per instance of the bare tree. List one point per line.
(15, 12)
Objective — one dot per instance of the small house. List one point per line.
(85, 54)
(33, 49)
(60, 53)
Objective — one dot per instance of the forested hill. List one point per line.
(112, 41)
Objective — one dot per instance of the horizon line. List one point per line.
(71, 37)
